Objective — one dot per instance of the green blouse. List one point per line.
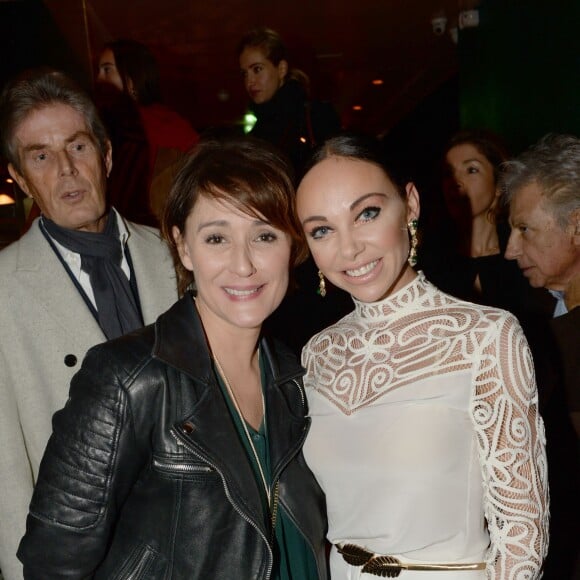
(293, 558)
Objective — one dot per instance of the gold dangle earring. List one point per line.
(321, 284)
(412, 227)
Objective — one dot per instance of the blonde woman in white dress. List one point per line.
(425, 436)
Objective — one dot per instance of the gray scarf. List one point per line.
(101, 256)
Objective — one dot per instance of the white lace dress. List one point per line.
(426, 436)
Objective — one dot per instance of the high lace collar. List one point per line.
(408, 297)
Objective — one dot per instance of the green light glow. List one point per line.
(249, 122)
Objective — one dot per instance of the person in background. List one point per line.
(80, 275)
(131, 68)
(286, 116)
(289, 119)
(190, 431)
(541, 187)
(426, 437)
(468, 257)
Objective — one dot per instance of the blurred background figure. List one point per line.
(280, 95)
(149, 139)
(472, 265)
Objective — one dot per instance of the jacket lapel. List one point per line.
(287, 426)
(42, 278)
(151, 263)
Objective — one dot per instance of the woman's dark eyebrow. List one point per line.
(314, 218)
(225, 223)
(353, 206)
(362, 198)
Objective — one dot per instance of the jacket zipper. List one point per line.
(301, 391)
(144, 559)
(181, 467)
(182, 441)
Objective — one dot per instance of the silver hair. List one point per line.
(553, 163)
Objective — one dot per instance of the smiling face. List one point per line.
(472, 180)
(262, 78)
(61, 167)
(355, 223)
(548, 255)
(240, 264)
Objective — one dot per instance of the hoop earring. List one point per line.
(412, 227)
(321, 285)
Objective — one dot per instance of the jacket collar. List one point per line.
(39, 271)
(179, 332)
(41, 276)
(180, 342)
(153, 269)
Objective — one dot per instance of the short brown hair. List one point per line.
(246, 172)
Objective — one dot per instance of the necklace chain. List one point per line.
(244, 425)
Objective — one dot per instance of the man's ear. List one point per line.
(19, 179)
(108, 157)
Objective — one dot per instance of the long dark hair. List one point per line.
(487, 143)
(135, 61)
(362, 148)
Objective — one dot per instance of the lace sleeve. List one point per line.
(512, 451)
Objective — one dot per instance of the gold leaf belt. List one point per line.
(391, 567)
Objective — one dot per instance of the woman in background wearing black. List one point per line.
(286, 116)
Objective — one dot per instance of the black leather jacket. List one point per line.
(145, 476)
